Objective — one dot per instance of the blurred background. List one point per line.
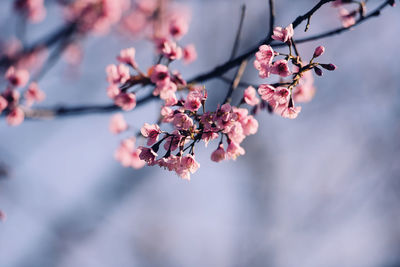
(321, 190)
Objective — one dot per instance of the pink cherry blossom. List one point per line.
(283, 35)
(128, 56)
(118, 124)
(281, 68)
(15, 116)
(263, 61)
(178, 27)
(112, 91)
(128, 156)
(160, 75)
(34, 94)
(147, 154)
(189, 53)
(17, 77)
(187, 165)
(266, 92)
(305, 90)
(127, 101)
(249, 125)
(171, 50)
(117, 74)
(291, 112)
(250, 96)
(182, 121)
(236, 133)
(348, 18)
(194, 99)
(151, 132)
(219, 154)
(234, 150)
(167, 113)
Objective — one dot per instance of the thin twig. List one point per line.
(238, 33)
(236, 81)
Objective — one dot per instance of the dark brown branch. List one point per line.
(60, 34)
(271, 18)
(238, 33)
(62, 111)
(309, 14)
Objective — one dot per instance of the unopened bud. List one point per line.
(319, 51)
(318, 71)
(329, 67)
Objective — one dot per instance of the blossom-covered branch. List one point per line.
(186, 120)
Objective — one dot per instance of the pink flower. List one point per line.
(128, 156)
(236, 133)
(283, 35)
(118, 74)
(219, 154)
(178, 27)
(128, 56)
(194, 99)
(182, 121)
(263, 61)
(348, 18)
(250, 96)
(281, 95)
(34, 94)
(147, 154)
(319, 51)
(127, 101)
(291, 113)
(234, 150)
(15, 117)
(189, 54)
(305, 90)
(17, 77)
(3, 104)
(187, 165)
(112, 91)
(159, 75)
(151, 132)
(249, 125)
(167, 113)
(281, 68)
(171, 50)
(118, 124)
(266, 92)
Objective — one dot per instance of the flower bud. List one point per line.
(329, 67)
(319, 51)
(318, 71)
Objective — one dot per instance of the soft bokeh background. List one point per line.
(321, 190)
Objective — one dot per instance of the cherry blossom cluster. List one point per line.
(281, 97)
(10, 97)
(349, 17)
(188, 120)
